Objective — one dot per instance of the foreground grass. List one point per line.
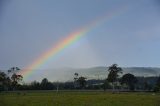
(52, 98)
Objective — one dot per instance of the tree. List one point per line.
(15, 78)
(10, 80)
(147, 86)
(105, 85)
(157, 86)
(158, 81)
(75, 80)
(35, 85)
(46, 85)
(129, 80)
(82, 82)
(75, 76)
(7, 83)
(2, 80)
(2, 77)
(113, 75)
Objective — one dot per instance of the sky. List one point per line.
(28, 28)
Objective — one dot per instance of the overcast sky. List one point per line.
(28, 28)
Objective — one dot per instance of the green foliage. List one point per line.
(79, 81)
(130, 80)
(158, 81)
(5, 81)
(11, 80)
(157, 87)
(106, 85)
(45, 85)
(114, 70)
(15, 79)
(82, 82)
(113, 75)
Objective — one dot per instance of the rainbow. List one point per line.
(63, 44)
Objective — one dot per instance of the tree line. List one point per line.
(115, 81)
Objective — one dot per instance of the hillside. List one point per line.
(67, 74)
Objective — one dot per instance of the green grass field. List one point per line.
(71, 98)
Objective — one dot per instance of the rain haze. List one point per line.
(129, 37)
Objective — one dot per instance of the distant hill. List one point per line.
(102, 71)
(67, 74)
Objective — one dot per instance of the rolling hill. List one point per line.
(67, 74)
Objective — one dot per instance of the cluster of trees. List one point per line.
(91, 84)
(126, 82)
(79, 82)
(35, 85)
(11, 80)
(115, 81)
(128, 79)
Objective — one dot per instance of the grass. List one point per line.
(72, 98)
